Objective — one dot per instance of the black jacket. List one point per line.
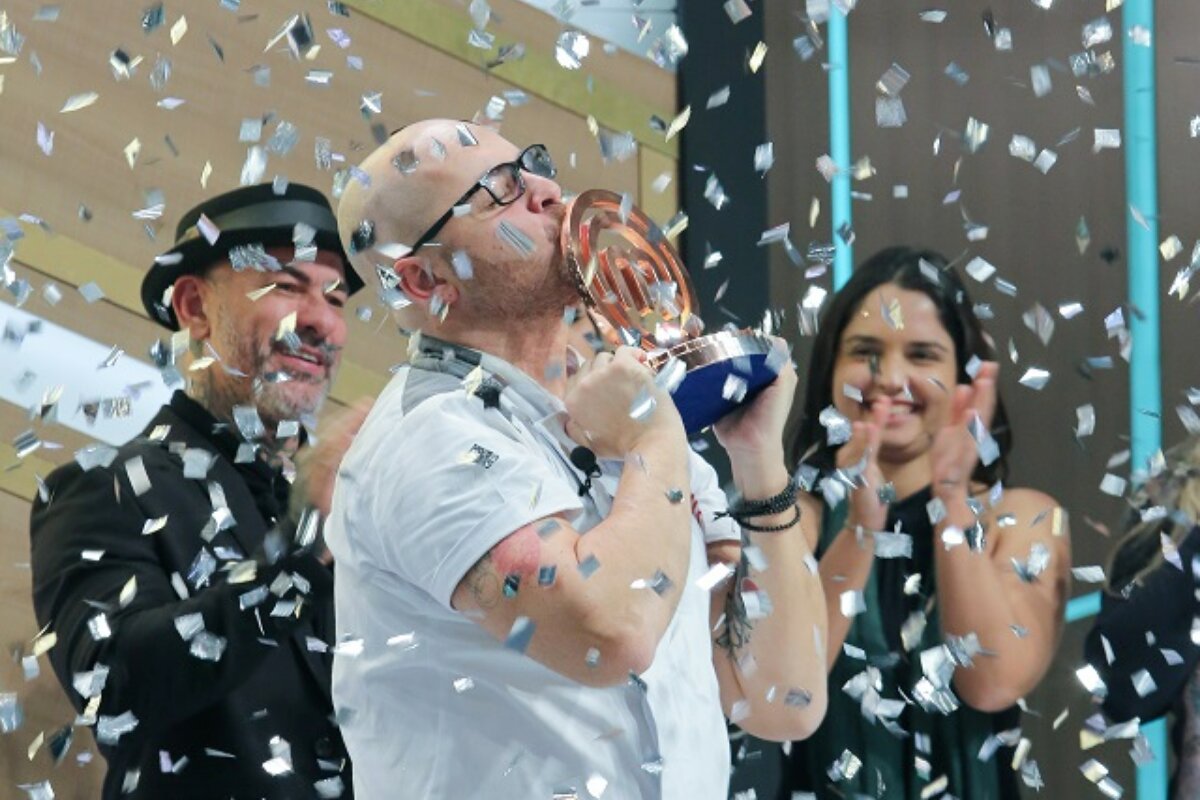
(250, 685)
(1143, 624)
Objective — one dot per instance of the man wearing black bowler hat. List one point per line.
(184, 574)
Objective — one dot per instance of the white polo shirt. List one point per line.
(431, 705)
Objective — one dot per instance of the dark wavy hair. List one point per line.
(902, 267)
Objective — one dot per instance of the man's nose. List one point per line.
(320, 318)
(541, 193)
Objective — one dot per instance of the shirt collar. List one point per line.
(544, 404)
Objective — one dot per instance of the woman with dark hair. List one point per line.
(1145, 644)
(945, 588)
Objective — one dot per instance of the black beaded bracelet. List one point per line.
(771, 528)
(772, 505)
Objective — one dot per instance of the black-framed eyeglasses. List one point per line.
(502, 182)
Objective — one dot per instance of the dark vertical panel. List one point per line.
(1032, 219)
(722, 142)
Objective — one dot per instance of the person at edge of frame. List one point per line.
(1144, 645)
(184, 573)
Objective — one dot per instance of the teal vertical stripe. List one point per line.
(1086, 605)
(1145, 365)
(839, 142)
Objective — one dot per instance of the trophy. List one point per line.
(630, 277)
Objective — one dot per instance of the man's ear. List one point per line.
(187, 301)
(420, 282)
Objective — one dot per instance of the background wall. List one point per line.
(67, 207)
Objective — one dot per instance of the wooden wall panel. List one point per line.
(88, 164)
(45, 705)
(620, 89)
(659, 205)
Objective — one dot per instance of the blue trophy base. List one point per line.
(725, 370)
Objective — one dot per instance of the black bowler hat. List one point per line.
(246, 216)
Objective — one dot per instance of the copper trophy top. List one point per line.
(628, 272)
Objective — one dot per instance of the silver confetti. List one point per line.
(91, 292)
(979, 269)
(1113, 485)
(889, 112)
(98, 627)
(734, 389)
(189, 625)
(1037, 563)
(520, 634)
(588, 566)
(109, 729)
(95, 455)
(1143, 683)
(461, 262)
(837, 426)
(852, 603)
(893, 81)
(1035, 378)
(1090, 679)
(570, 49)
(893, 545)
(1039, 79)
(196, 463)
(1097, 32)
(643, 405)
(254, 167)
(248, 422)
(207, 646)
(845, 767)
(1106, 139)
(139, 480)
(280, 762)
(515, 238)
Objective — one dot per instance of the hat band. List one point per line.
(271, 214)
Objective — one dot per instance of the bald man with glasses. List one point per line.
(524, 566)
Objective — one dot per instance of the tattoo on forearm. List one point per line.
(483, 583)
(735, 634)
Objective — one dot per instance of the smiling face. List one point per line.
(895, 346)
(292, 382)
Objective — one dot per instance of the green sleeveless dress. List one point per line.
(949, 744)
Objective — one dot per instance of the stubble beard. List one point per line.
(298, 397)
(501, 294)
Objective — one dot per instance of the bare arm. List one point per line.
(614, 591)
(1019, 621)
(774, 685)
(846, 564)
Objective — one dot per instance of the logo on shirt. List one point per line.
(482, 456)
